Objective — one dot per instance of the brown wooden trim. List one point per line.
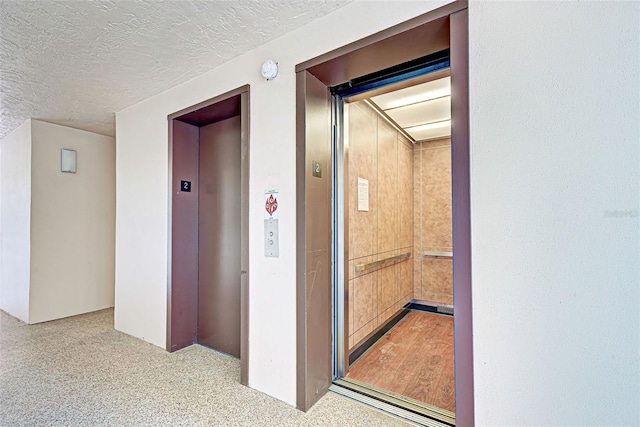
(460, 164)
(385, 34)
(209, 102)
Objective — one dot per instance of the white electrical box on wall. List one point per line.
(271, 217)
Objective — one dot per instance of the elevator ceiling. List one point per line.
(423, 111)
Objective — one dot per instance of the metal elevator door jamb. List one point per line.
(338, 213)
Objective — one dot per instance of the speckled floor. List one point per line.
(79, 371)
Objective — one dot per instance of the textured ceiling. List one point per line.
(78, 62)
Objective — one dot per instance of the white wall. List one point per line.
(72, 223)
(15, 192)
(142, 192)
(555, 158)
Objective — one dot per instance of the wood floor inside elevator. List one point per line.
(414, 359)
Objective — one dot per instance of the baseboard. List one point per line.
(431, 307)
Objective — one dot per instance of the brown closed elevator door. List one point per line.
(219, 236)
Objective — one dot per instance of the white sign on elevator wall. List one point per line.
(271, 201)
(363, 195)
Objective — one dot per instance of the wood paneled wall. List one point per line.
(381, 155)
(433, 278)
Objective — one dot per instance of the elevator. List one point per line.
(208, 251)
(323, 85)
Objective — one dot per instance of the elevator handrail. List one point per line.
(389, 260)
(434, 254)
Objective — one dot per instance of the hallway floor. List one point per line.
(414, 359)
(79, 371)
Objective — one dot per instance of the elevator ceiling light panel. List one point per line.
(435, 110)
(430, 130)
(414, 94)
(422, 111)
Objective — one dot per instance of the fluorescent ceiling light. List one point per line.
(422, 111)
(414, 94)
(435, 110)
(428, 126)
(430, 130)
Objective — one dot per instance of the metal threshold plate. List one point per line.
(399, 406)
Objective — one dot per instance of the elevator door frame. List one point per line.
(221, 113)
(404, 42)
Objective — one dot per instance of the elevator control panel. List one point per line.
(271, 243)
(271, 217)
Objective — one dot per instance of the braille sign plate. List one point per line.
(185, 186)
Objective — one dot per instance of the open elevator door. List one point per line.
(414, 74)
